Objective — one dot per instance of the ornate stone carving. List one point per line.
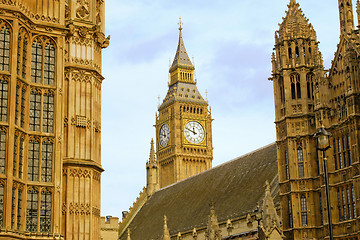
(82, 11)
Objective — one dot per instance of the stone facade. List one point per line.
(109, 229)
(50, 163)
(307, 97)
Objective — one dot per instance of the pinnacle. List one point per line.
(181, 57)
(152, 152)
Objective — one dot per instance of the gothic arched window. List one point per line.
(300, 161)
(48, 112)
(304, 220)
(19, 209)
(297, 52)
(287, 173)
(290, 52)
(43, 62)
(35, 111)
(282, 90)
(290, 212)
(298, 87)
(22, 53)
(4, 48)
(293, 91)
(310, 85)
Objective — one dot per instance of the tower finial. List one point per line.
(180, 24)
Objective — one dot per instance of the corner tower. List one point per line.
(346, 16)
(297, 66)
(183, 124)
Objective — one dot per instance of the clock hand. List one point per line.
(194, 131)
(191, 131)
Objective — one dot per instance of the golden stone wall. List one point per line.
(52, 121)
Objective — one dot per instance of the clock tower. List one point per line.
(183, 124)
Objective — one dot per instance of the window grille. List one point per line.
(3, 99)
(33, 160)
(23, 99)
(2, 151)
(303, 211)
(19, 209)
(4, 48)
(335, 154)
(16, 139)
(36, 61)
(287, 173)
(24, 57)
(17, 100)
(35, 111)
(290, 213)
(18, 65)
(48, 113)
(2, 191)
(49, 64)
(13, 199)
(348, 149)
(21, 155)
(32, 211)
(47, 162)
(300, 162)
(339, 153)
(45, 211)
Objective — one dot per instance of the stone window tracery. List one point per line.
(17, 100)
(290, 212)
(310, 85)
(16, 140)
(4, 48)
(49, 64)
(22, 54)
(36, 61)
(21, 156)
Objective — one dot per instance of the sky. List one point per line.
(231, 42)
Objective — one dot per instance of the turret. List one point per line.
(295, 60)
(152, 172)
(213, 231)
(346, 16)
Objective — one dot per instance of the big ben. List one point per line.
(183, 124)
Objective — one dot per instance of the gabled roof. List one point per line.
(234, 187)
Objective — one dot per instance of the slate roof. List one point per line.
(181, 57)
(235, 187)
(183, 92)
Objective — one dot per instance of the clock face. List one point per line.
(194, 132)
(164, 135)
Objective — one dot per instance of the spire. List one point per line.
(128, 234)
(270, 216)
(166, 235)
(181, 59)
(213, 231)
(152, 173)
(152, 158)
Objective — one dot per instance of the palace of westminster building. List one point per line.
(50, 138)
